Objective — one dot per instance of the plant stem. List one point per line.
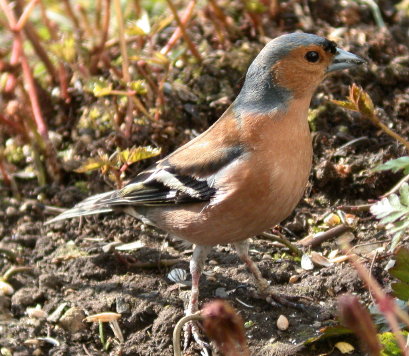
(182, 27)
(388, 131)
(178, 329)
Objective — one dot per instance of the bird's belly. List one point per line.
(252, 207)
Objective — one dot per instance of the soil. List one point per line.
(74, 267)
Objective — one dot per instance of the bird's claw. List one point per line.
(191, 330)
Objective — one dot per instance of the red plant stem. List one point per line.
(6, 177)
(220, 14)
(25, 15)
(122, 43)
(19, 54)
(140, 68)
(32, 35)
(107, 62)
(12, 79)
(32, 92)
(89, 31)
(125, 67)
(50, 26)
(182, 27)
(71, 14)
(14, 126)
(385, 303)
(105, 27)
(178, 32)
(63, 79)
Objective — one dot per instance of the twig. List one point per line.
(355, 208)
(390, 132)
(396, 187)
(282, 239)
(178, 329)
(321, 237)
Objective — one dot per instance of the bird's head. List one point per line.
(292, 66)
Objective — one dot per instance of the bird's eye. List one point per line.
(312, 56)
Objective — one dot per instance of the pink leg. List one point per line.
(196, 266)
(264, 290)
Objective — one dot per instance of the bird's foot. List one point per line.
(191, 330)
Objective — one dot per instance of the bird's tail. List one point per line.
(93, 205)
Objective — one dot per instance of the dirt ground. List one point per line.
(74, 268)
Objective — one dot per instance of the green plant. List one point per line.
(115, 165)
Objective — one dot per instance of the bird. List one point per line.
(244, 174)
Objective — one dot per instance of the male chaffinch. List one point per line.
(248, 171)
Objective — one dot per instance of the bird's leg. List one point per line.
(196, 266)
(264, 289)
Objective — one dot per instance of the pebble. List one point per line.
(220, 293)
(294, 278)
(72, 320)
(11, 211)
(282, 323)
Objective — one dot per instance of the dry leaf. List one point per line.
(102, 317)
(320, 260)
(344, 347)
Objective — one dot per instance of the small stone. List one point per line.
(220, 293)
(282, 323)
(11, 211)
(72, 320)
(294, 278)
(122, 306)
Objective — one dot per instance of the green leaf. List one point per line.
(135, 154)
(345, 105)
(393, 212)
(94, 163)
(330, 331)
(396, 239)
(395, 165)
(139, 86)
(392, 217)
(99, 87)
(401, 268)
(390, 345)
(404, 194)
(401, 290)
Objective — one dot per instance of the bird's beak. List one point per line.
(344, 60)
